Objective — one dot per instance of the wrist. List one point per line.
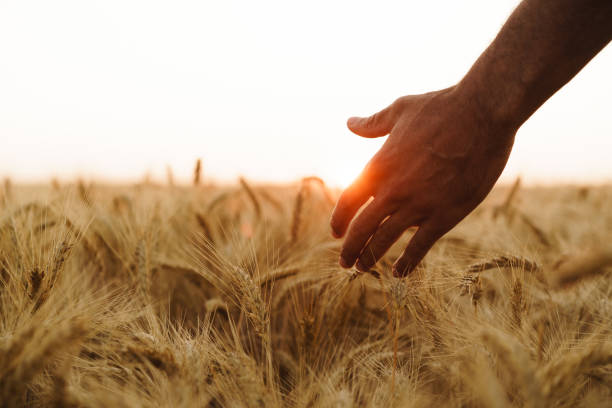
(498, 109)
(493, 125)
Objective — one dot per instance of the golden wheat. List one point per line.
(153, 295)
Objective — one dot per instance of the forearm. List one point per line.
(543, 45)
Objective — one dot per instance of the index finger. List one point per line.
(348, 204)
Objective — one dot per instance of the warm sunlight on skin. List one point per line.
(117, 89)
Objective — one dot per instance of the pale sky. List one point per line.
(115, 89)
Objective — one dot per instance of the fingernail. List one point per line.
(352, 121)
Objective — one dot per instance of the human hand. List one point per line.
(442, 157)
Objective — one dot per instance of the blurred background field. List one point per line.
(231, 296)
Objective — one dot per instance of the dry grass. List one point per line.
(231, 297)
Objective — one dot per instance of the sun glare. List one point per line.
(343, 176)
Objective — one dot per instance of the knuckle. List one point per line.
(372, 120)
(400, 103)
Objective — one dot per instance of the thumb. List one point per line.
(379, 124)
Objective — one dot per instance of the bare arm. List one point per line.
(446, 149)
(541, 47)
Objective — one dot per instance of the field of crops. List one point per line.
(231, 296)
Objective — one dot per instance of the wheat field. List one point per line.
(231, 296)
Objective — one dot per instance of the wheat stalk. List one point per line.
(573, 269)
(8, 190)
(328, 195)
(252, 196)
(206, 230)
(505, 261)
(398, 294)
(267, 196)
(517, 302)
(59, 259)
(296, 219)
(197, 173)
(144, 270)
(169, 176)
(506, 206)
(537, 231)
(217, 201)
(85, 193)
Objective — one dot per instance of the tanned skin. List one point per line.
(446, 149)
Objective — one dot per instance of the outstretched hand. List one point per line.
(442, 157)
